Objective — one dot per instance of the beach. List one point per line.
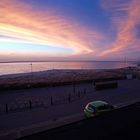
(61, 77)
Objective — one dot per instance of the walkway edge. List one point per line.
(39, 127)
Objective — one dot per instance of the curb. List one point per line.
(39, 127)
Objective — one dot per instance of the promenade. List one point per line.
(15, 124)
(112, 125)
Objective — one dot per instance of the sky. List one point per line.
(41, 30)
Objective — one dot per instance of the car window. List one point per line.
(109, 106)
(90, 107)
(103, 107)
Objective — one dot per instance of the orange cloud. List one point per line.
(22, 23)
(126, 37)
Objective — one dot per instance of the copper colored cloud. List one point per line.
(126, 35)
(22, 23)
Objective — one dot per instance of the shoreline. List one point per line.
(57, 77)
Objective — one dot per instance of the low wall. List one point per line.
(39, 127)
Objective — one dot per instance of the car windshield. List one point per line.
(91, 108)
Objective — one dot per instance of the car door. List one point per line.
(103, 108)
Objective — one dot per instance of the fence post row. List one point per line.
(52, 101)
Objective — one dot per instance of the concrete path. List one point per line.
(114, 125)
(128, 91)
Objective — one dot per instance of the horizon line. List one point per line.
(68, 61)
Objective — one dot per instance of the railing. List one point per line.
(24, 104)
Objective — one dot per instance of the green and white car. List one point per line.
(97, 107)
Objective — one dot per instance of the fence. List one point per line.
(25, 104)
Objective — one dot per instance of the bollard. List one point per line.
(84, 91)
(30, 104)
(51, 100)
(79, 94)
(6, 108)
(69, 99)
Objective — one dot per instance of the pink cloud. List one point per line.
(19, 20)
(126, 23)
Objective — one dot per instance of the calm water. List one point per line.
(25, 67)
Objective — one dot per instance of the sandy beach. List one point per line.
(61, 77)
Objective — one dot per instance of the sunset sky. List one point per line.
(69, 30)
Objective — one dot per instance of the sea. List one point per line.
(27, 67)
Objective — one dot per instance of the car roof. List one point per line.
(98, 103)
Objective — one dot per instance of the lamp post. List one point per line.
(74, 86)
(139, 73)
(31, 66)
(125, 62)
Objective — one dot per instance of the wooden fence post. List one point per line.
(51, 100)
(69, 99)
(79, 92)
(30, 104)
(6, 108)
(84, 91)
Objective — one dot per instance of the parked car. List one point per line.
(97, 107)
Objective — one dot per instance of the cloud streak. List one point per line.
(126, 20)
(19, 22)
(61, 35)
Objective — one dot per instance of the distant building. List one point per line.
(138, 66)
(129, 73)
(138, 71)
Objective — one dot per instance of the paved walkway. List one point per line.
(127, 91)
(103, 127)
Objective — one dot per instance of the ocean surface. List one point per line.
(26, 67)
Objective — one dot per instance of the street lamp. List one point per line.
(74, 86)
(31, 66)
